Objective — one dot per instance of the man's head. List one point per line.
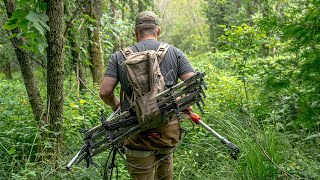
(147, 25)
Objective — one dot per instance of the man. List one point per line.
(149, 153)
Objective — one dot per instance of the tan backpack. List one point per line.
(146, 81)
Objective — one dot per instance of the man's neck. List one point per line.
(146, 38)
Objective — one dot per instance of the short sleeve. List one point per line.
(184, 65)
(112, 69)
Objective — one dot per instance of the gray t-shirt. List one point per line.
(174, 63)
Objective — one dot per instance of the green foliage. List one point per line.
(18, 130)
(297, 76)
(184, 28)
(262, 67)
(33, 28)
(116, 32)
(228, 13)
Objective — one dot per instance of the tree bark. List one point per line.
(76, 62)
(116, 42)
(55, 72)
(95, 49)
(26, 70)
(7, 71)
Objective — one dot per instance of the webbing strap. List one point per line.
(121, 98)
(162, 50)
(126, 52)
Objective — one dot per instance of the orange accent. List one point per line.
(194, 117)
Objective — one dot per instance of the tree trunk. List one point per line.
(116, 42)
(26, 70)
(95, 44)
(7, 71)
(76, 62)
(55, 73)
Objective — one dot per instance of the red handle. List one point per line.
(193, 116)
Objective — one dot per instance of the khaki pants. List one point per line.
(144, 168)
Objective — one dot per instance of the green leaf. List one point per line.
(10, 24)
(317, 135)
(19, 14)
(24, 2)
(30, 34)
(13, 35)
(57, 133)
(280, 126)
(45, 25)
(12, 150)
(28, 48)
(38, 21)
(74, 105)
(32, 173)
(43, 6)
(44, 17)
(82, 101)
(23, 24)
(91, 20)
(39, 28)
(41, 48)
(239, 30)
(33, 17)
(78, 117)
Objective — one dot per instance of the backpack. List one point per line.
(146, 81)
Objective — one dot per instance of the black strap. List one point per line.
(108, 169)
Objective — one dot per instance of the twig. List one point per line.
(274, 163)
(89, 89)
(33, 143)
(48, 110)
(70, 90)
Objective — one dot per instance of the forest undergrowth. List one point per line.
(269, 149)
(261, 60)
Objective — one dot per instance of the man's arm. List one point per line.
(186, 76)
(107, 92)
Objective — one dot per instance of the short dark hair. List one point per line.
(147, 29)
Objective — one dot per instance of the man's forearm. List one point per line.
(112, 101)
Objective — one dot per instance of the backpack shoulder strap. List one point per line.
(126, 52)
(162, 50)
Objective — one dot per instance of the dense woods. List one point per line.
(263, 71)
